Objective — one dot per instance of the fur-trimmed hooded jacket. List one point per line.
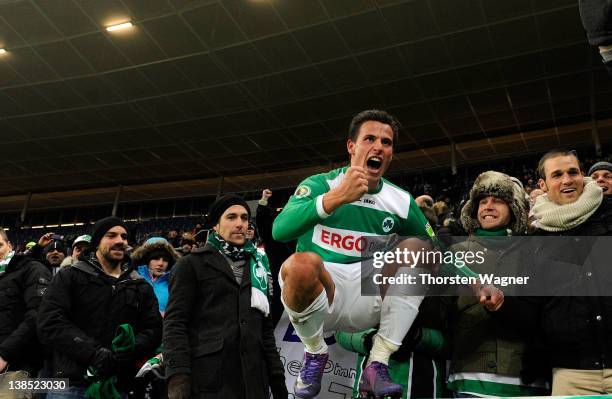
(498, 185)
(140, 259)
(480, 343)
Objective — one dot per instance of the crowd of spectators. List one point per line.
(154, 254)
(94, 304)
(441, 187)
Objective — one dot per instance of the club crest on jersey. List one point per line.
(387, 224)
(302, 191)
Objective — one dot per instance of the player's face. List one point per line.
(603, 178)
(493, 213)
(233, 224)
(564, 181)
(374, 144)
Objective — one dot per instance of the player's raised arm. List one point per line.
(312, 202)
(303, 211)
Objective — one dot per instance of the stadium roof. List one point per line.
(197, 89)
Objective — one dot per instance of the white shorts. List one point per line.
(350, 311)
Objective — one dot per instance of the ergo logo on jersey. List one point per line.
(346, 242)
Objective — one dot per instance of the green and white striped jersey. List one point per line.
(342, 237)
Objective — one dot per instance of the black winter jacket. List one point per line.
(83, 308)
(212, 333)
(22, 286)
(576, 330)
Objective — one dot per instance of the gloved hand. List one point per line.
(179, 386)
(104, 362)
(278, 387)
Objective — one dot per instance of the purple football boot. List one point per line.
(376, 383)
(308, 383)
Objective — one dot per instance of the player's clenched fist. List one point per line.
(354, 185)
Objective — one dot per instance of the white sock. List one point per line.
(381, 350)
(396, 317)
(308, 324)
(314, 344)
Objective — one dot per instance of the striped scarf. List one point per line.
(258, 266)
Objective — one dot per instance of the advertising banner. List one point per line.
(339, 373)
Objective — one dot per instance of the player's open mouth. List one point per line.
(489, 217)
(374, 164)
(568, 191)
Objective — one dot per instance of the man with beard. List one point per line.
(85, 306)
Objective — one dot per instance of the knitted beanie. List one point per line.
(102, 226)
(600, 166)
(220, 205)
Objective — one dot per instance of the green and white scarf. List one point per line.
(258, 265)
(4, 262)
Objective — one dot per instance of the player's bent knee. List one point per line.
(302, 268)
